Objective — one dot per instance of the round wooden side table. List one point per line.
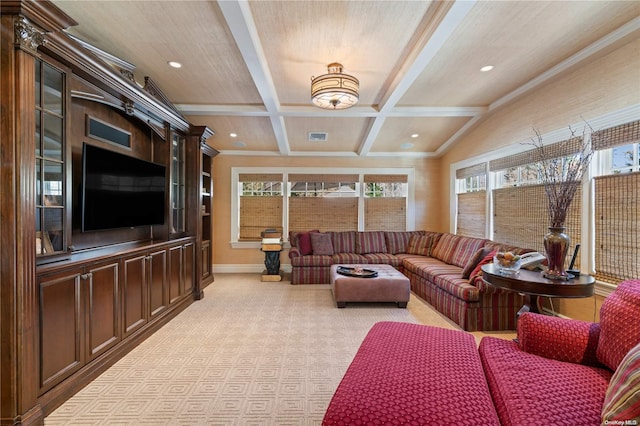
(532, 285)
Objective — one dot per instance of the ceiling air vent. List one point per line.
(318, 136)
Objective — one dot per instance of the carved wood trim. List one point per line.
(27, 36)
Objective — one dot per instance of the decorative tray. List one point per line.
(351, 272)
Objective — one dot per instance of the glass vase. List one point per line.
(556, 245)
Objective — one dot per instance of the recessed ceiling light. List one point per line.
(174, 64)
(233, 135)
(239, 144)
(415, 135)
(486, 68)
(406, 145)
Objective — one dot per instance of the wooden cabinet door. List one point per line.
(134, 297)
(103, 320)
(205, 260)
(61, 329)
(158, 292)
(175, 273)
(188, 266)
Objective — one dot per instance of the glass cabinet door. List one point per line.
(50, 214)
(178, 213)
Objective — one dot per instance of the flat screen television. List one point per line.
(120, 191)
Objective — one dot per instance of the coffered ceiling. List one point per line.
(247, 66)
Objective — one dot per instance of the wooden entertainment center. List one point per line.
(74, 300)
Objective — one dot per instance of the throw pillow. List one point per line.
(622, 400)
(473, 262)
(419, 244)
(304, 243)
(488, 258)
(321, 243)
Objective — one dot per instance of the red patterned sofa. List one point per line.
(560, 372)
(443, 269)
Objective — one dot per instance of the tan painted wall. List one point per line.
(427, 194)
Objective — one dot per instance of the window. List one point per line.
(385, 202)
(625, 159)
(328, 202)
(471, 218)
(260, 204)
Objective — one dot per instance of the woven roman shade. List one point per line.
(617, 227)
(476, 170)
(472, 217)
(323, 213)
(556, 150)
(615, 136)
(385, 178)
(260, 177)
(521, 219)
(385, 214)
(257, 214)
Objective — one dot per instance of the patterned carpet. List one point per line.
(249, 353)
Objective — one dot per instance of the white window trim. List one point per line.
(285, 171)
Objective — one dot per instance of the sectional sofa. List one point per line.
(558, 372)
(443, 269)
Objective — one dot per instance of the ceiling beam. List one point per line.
(240, 21)
(446, 20)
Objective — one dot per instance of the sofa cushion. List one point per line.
(349, 258)
(465, 250)
(420, 244)
(619, 325)
(370, 242)
(457, 286)
(312, 260)
(343, 241)
(321, 243)
(445, 248)
(473, 262)
(397, 241)
(383, 259)
(622, 400)
(528, 389)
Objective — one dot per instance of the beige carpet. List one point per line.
(249, 353)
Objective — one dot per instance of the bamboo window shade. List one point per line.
(472, 217)
(475, 170)
(385, 214)
(617, 227)
(615, 136)
(323, 213)
(385, 178)
(556, 150)
(259, 213)
(521, 219)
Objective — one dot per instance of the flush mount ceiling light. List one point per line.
(334, 90)
(174, 64)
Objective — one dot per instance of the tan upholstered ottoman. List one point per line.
(389, 286)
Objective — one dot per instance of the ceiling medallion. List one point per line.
(334, 90)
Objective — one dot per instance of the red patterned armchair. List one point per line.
(565, 371)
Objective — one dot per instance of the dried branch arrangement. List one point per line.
(561, 176)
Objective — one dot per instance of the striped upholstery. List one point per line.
(622, 400)
(311, 275)
(465, 250)
(312, 260)
(344, 241)
(349, 258)
(371, 242)
(420, 244)
(445, 248)
(382, 259)
(397, 241)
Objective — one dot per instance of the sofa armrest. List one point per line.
(294, 252)
(558, 338)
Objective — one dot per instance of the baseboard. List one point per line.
(244, 268)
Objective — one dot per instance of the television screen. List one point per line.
(119, 191)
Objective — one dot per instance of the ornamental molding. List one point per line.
(28, 36)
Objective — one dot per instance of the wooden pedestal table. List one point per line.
(272, 262)
(532, 285)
